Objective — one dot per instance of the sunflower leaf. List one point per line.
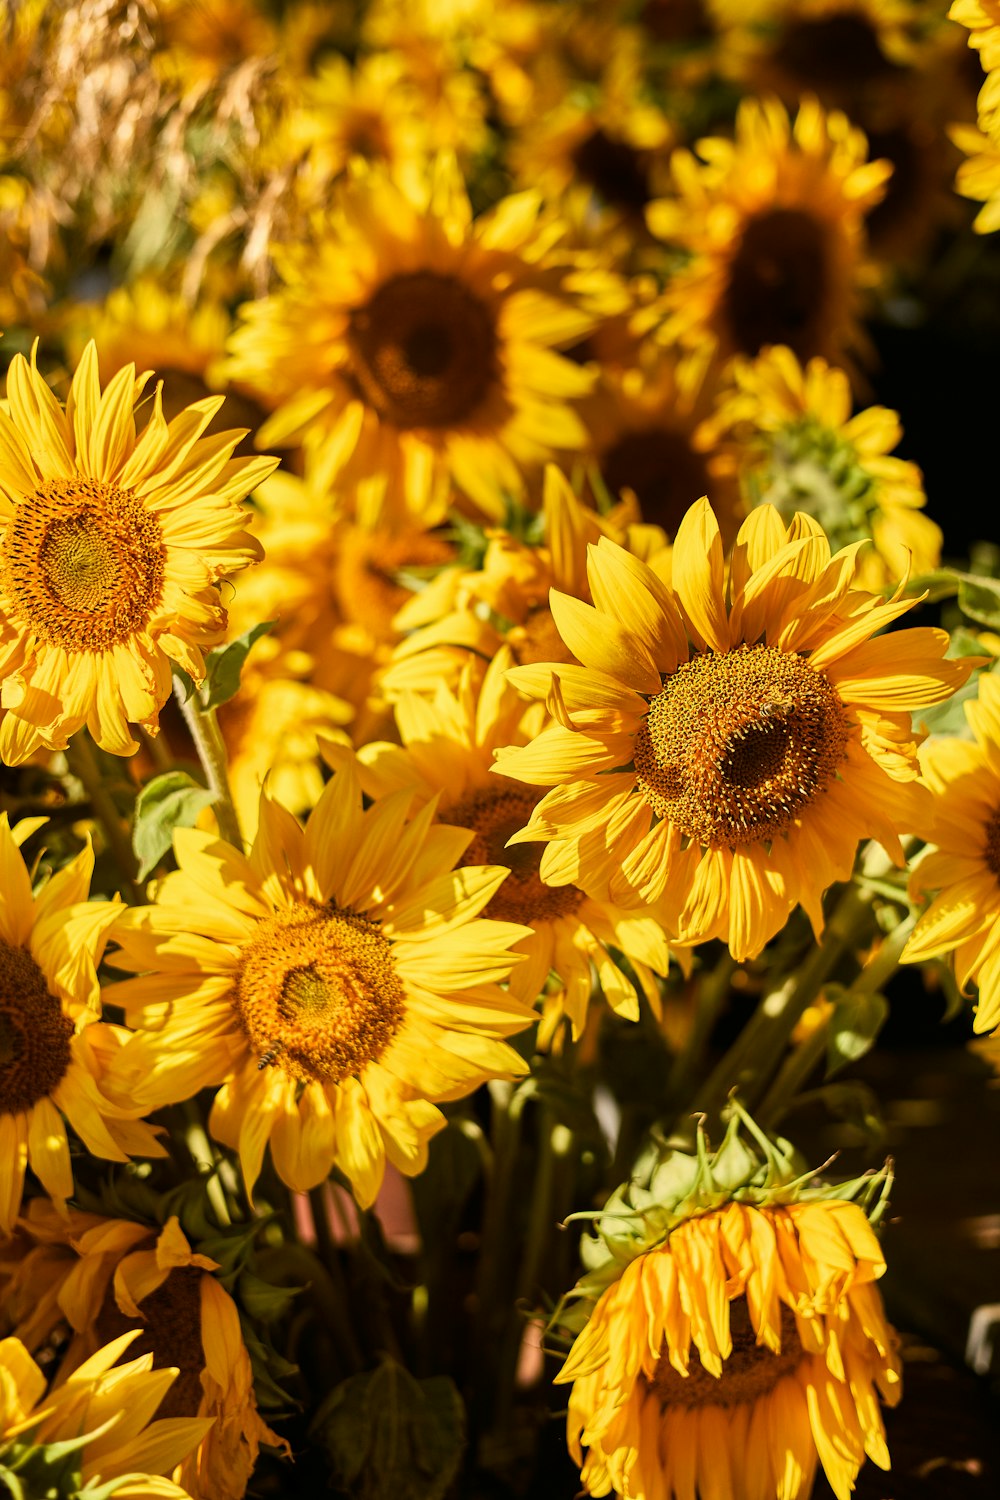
(165, 803)
(979, 598)
(224, 666)
(856, 1021)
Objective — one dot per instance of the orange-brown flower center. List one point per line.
(614, 169)
(537, 638)
(660, 466)
(779, 284)
(834, 52)
(993, 844)
(34, 1033)
(367, 569)
(738, 743)
(495, 815)
(317, 993)
(425, 350)
(81, 563)
(750, 1372)
(171, 1334)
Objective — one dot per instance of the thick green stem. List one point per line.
(83, 764)
(713, 992)
(203, 725)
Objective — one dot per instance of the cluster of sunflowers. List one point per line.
(496, 809)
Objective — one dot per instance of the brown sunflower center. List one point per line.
(367, 572)
(750, 1372)
(171, 1334)
(318, 994)
(495, 816)
(614, 169)
(736, 744)
(34, 1033)
(993, 844)
(779, 283)
(425, 350)
(82, 563)
(830, 52)
(538, 639)
(662, 469)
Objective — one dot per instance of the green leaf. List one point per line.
(261, 1300)
(165, 803)
(856, 1021)
(979, 598)
(224, 667)
(388, 1434)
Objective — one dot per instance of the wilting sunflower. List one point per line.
(726, 755)
(964, 917)
(94, 1430)
(447, 754)
(112, 546)
(788, 436)
(412, 348)
(333, 985)
(773, 222)
(102, 1277)
(736, 1357)
(54, 1049)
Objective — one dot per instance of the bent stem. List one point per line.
(203, 725)
(83, 763)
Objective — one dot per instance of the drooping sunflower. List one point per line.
(94, 1430)
(54, 1049)
(964, 917)
(773, 222)
(447, 751)
(412, 348)
(725, 751)
(333, 985)
(112, 545)
(787, 435)
(102, 1277)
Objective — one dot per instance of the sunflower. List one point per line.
(412, 349)
(205, 39)
(788, 436)
(102, 1276)
(332, 986)
(773, 222)
(94, 1430)
(726, 758)
(111, 550)
(979, 175)
(371, 110)
(447, 751)
(981, 18)
(964, 917)
(54, 1049)
(735, 1357)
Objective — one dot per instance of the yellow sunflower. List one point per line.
(54, 1049)
(724, 751)
(371, 110)
(979, 175)
(102, 1276)
(773, 222)
(112, 545)
(101, 1416)
(447, 752)
(736, 1357)
(981, 18)
(787, 434)
(412, 348)
(332, 986)
(964, 917)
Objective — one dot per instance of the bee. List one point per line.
(779, 708)
(270, 1057)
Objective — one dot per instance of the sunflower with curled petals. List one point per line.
(963, 919)
(773, 222)
(54, 1048)
(447, 751)
(333, 986)
(103, 1276)
(112, 546)
(724, 752)
(413, 349)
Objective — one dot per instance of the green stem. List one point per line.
(494, 1255)
(83, 763)
(203, 725)
(713, 992)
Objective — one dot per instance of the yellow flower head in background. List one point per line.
(412, 349)
(964, 918)
(112, 545)
(724, 749)
(332, 985)
(54, 1049)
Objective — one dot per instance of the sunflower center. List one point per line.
(425, 350)
(318, 994)
(993, 844)
(34, 1033)
(367, 569)
(171, 1334)
(778, 283)
(736, 744)
(614, 169)
(495, 816)
(82, 563)
(662, 469)
(750, 1372)
(826, 52)
(538, 639)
